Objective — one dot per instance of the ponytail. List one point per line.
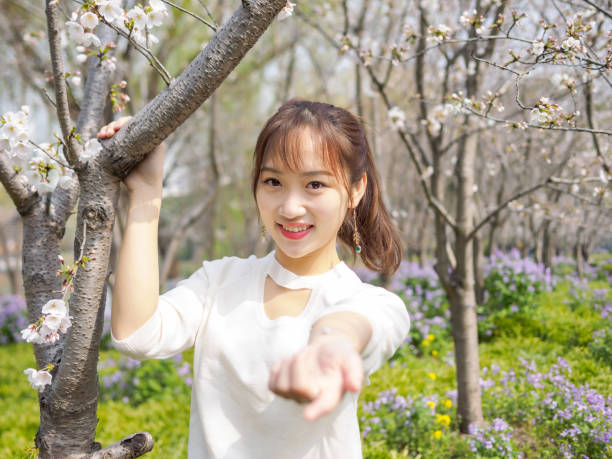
(381, 248)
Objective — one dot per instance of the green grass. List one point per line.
(550, 330)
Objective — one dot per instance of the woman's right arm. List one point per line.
(136, 292)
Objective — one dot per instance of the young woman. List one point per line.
(282, 343)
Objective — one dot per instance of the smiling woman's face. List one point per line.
(302, 209)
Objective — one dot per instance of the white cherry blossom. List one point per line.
(286, 11)
(38, 379)
(89, 20)
(55, 307)
(537, 47)
(158, 12)
(75, 31)
(571, 45)
(31, 335)
(109, 64)
(92, 148)
(91, 39)
(397, 117)
(110, 9)
(139, 17)
(65, 323)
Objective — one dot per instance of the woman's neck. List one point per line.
(312, 264)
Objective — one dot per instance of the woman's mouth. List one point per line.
(295, 231)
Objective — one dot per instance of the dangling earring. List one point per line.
(356, 238)
(263, 233)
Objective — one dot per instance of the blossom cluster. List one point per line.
(14, 134)
(38, 165)
(55, 320)
(136, 22)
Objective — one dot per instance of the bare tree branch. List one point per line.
(503, 205)
(59, 80)
(599, 8)
(180, 8)
(171, 107)
(130, 447)
(23, 197)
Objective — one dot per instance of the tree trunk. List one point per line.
(68, 406)
(478, 270)
(492, 243)
(462, 294)
(547, 244)
(424, 229)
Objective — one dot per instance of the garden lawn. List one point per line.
(545, 375)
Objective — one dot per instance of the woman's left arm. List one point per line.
(327, 367)
(372, 327)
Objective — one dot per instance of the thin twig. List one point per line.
(145, 52)
(598, 8)
(48, 97)
(61, 163)
(574, 181)
(180, 8)
(503, 205)
(212, 18)
(574, 195)
(537, 126)
(59, 80)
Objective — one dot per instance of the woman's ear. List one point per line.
(358, 190)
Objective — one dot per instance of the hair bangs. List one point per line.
(284, 147)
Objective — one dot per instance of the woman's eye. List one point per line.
(316, 185)
(272, 182)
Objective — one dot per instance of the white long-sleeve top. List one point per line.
(219, 309)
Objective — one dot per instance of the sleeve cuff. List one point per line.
(141, 340)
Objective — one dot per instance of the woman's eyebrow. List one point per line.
(305, 174)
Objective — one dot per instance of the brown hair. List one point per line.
(340, 138)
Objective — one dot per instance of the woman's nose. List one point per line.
(292, 206)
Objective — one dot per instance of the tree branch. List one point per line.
(151, 125)
(598, 8)
(180, 8)
(22, 195)
(59, 81)
(503, 205)
(135, 445)
(97, 87)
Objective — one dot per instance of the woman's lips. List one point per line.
(295, 234)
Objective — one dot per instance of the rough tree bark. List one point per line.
(68, 406)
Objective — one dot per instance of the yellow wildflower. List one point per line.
(443, 419)
(447, 403)
(430, 337)
(434, 353)
(432, 376)
(431, 404)
(437, 434)
(425, 343)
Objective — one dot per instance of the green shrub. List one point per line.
(135, 382)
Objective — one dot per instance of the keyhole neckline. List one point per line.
(288, 279)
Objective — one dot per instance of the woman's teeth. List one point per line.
(296, 229)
